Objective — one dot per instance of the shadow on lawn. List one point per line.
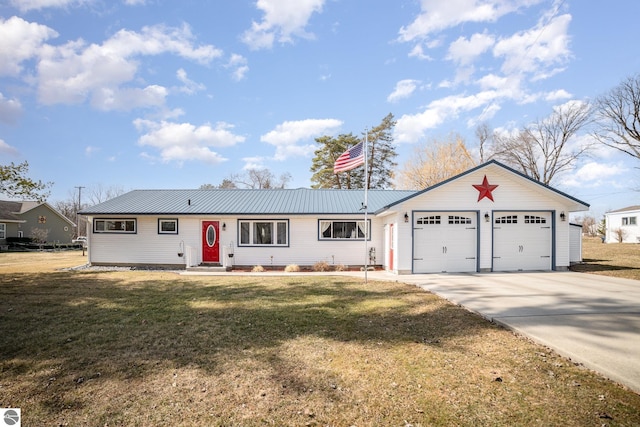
(85, 323)
(598, 265)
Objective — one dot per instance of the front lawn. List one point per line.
(151, 348)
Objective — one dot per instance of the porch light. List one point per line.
(563, 217)
(224, 226)
(406, 217)
(487, 217)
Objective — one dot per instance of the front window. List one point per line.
(167, 226)
(3, 231)
(342, 230)
(103, 225)
(264, 233)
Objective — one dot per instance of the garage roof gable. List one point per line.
(578, 205)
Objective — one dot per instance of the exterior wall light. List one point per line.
(224, 226)
(487, 217)
(563, 217)
(406, 217)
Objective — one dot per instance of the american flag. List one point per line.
(350, 159)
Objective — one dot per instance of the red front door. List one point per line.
(210, 241)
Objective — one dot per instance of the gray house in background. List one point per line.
(21, 219)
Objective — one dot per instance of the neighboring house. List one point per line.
(623, 225)
(20, 219)
(490, 218)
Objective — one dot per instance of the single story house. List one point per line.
(20, 219)
(623, 225)
(489, 218)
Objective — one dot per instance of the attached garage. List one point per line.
(445, 242)
(522, 241)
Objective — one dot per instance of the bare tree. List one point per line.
(434, 163)
(542, 150)
(620, 234)
(485, 137)
(256, 179)
(618, 117)
(99, 193)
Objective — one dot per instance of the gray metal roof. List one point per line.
(300, 201)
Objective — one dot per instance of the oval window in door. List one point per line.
(211, 235)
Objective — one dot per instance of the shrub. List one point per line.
(321, 266)
(292, 268)
(258, 269)
(340, 267)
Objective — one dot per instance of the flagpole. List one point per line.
(366, 226)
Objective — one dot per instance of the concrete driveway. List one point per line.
(594, 320)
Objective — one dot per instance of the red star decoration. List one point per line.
(485, 189)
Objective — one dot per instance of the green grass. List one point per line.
(155, 349)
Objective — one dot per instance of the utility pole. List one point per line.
(79, 187)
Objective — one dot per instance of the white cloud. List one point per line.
(21, 41)
(403, 89)
(286, 136)
(557, 95)
(412, 127)
(282, 20)
(181, 142)
(27, 5)
(464, 51)
(438, 15)
(7, 149)
(253, 163)
(75, 71)
(534, 50)
(90, 150)
(189, 86)
(594, 174)
(10, 110)
(238, 65)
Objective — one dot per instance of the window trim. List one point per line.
(343, 239)
(274, 231)
(3, 230)
(96, 231)
(167, 220)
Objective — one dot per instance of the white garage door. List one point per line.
(521, 241)
(445, 242)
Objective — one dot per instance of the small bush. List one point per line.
(340, 267)
(258, 269)
(321, 266)
(292, 268)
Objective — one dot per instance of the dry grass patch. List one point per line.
(155, 348)
(609, 259)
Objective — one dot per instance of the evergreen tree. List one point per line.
(381, 154)
(322, 164)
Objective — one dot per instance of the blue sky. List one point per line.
(176, 94)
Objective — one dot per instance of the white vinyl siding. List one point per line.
(149, 247)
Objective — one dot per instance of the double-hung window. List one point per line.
(263, 232)
(3, 230)
(343, 230)
(108, 225)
